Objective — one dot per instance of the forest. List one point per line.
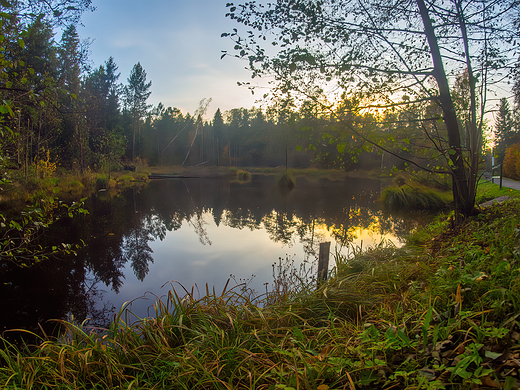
(60, 112)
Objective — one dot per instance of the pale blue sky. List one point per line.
(179, 45)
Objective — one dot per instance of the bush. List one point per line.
(511, 167)
(73, 187)
(102, 181)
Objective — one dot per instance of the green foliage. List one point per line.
(20, 237)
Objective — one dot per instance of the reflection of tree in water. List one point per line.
(310, 237)
(240, 218)
(88, 302)
(346, 227)
(281, 227)
(199, 225)
(136, 248)
(285, 228)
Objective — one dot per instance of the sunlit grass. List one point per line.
(488, 190)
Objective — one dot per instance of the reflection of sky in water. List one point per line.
(250, 226)
(181, 257)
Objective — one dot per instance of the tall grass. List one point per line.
(414, 197)
(439, 314)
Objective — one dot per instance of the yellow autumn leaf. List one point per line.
(458, 297)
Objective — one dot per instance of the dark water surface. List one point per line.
(191, 231)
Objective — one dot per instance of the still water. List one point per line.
(192, 232)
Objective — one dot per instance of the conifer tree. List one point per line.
(136, 93)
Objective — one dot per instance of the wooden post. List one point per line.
(323, 262)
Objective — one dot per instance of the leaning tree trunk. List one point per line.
(463, 187)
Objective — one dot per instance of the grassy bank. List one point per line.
(67, 185)
(230, 171)
(441, 312)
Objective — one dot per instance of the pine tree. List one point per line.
(136, 94)
(218, 130)
(74, 137)
(504, 132)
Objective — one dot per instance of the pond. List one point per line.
(192, 232)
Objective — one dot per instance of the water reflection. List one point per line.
(129, 235)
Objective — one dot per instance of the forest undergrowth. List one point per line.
(439, 313)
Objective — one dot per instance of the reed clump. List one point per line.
(243, 175)
(414, 197)
(440, 312)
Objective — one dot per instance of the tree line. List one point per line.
(425, 105)
(58, 110)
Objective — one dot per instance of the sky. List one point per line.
(178, 43)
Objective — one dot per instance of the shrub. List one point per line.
(511, 167)
(101, 181)
(45, 166)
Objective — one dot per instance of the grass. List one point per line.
(415, 197)
(440, 312)
(66, 185)
(241, 175)
(488, 191)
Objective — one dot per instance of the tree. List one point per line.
(100, 93)
(56, 12)
(389, 53)
(218, 131)
(72, 62)
(112, 117)
(504, 132)
(136, 94)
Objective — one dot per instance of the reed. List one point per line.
(414, 197)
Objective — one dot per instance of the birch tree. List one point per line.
(390, 53)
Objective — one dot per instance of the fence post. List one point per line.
(323, 262)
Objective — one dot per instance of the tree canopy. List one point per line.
(389, 53)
